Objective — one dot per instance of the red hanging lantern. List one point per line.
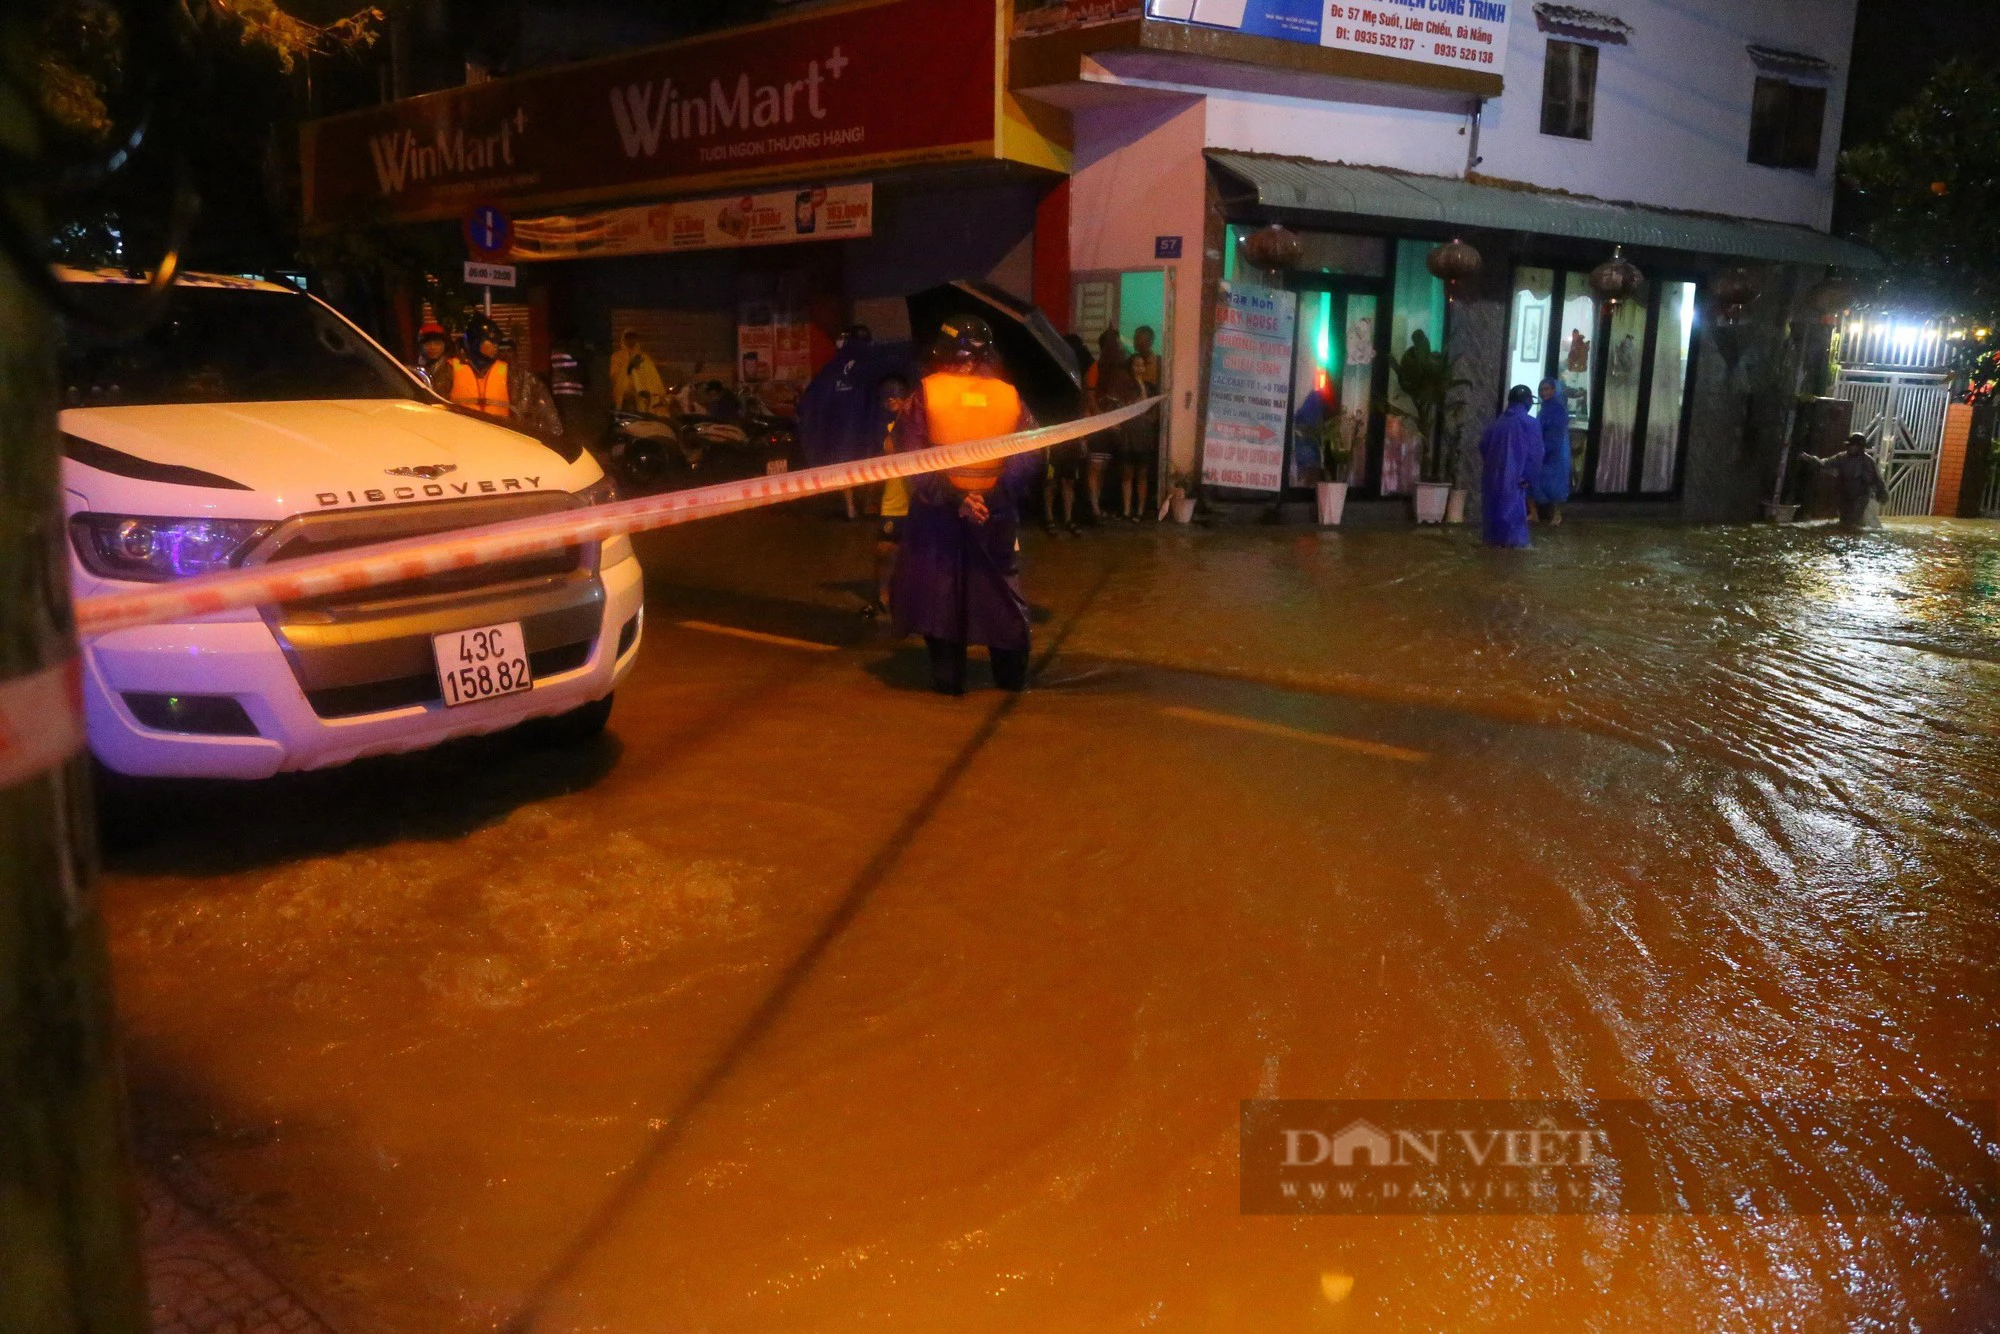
(1733, 291)
(1455, 262)
(1617, 278)
(1274, 247)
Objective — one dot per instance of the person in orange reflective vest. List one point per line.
(957, 574)
(479, 378)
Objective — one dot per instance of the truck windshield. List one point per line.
(222, 345)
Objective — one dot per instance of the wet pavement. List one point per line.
(806, 1000)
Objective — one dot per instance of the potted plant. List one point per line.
(1339, 438)
(1180, 496)
(1454, 507)
(1424, 373)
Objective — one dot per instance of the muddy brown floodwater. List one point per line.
(809, 1001)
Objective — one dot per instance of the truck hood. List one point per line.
(273, 460)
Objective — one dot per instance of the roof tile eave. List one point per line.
(1481, 202)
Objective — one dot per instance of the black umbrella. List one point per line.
(1042, 365)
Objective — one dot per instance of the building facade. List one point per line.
(739, 196)
(734, 197)
(1694, 140)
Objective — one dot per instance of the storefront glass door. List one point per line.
(1333, 381)
(1625, 344)
(1626, 369)
(1576, 366)
(1529, 335)
(1665, 408)
(1419, 312)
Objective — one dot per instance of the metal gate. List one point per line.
(1903, 417)
(1985, 447)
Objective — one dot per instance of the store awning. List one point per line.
(1371, 192)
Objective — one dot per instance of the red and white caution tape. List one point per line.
(41, 721)
(419, 557)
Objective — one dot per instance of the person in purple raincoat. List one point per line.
(838, 415)
(957, 573)
(1511, 452)
(1549, 487)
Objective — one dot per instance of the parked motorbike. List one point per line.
(644, 451)
(706, 433)
(773, 436)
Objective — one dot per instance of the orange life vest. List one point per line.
(482, 393)
(958, 408)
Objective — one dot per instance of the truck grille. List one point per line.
(318, 534)
(370, 651)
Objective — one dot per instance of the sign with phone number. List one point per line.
(1249, 388)
(1463, 33)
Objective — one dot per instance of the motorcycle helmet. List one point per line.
(964, 343)
(480, 329)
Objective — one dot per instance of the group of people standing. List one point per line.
(947, 553)
(1525, 465)
(859, 405)
(1526, 460)
(1113, 378)
(479, 374)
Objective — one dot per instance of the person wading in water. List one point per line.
(1858, 479)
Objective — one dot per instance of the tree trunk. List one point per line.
(68, 1225)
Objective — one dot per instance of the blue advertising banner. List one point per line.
(1467, 34)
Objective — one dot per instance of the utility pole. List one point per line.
(69, 1253)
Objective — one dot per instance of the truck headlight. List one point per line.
(120, 546)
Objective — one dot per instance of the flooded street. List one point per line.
(808, 1000)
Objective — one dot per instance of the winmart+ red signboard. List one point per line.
(839, 91)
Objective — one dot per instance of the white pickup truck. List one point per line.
(250, 424)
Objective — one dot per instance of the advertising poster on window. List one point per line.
(773, 350)
(1465, 34)
(1249, 388)
(782, 217)
(756, 343)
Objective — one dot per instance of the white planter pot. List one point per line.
(1432, 498)
(1183, 509)
(1454, 509)
(1332, 498)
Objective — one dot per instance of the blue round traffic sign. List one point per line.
(487, 229)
